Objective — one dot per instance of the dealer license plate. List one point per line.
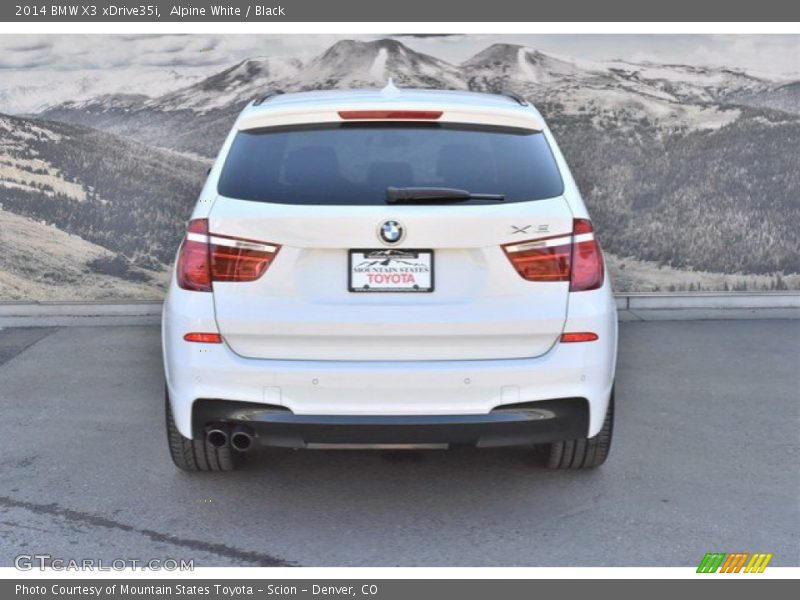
(391, 270)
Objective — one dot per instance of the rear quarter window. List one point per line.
(352, 164)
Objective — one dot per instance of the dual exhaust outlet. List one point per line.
(240, 438)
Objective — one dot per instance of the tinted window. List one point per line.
(354, 164)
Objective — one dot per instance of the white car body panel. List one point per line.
(481, 308)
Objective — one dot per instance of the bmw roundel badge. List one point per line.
(391, 232)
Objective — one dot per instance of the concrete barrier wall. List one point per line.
(712, 300)
(632, 307)
(79, 309)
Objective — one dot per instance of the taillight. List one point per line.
(574, 257)
(413, 115)
(207, 257)
(193, 270)
(587, 259)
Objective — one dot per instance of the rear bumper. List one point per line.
(350, 389)
(513, 425)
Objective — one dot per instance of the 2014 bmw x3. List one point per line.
(389, 268)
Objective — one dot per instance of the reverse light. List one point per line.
(578, 336)
(574, 257)
(415, 115)
(238, 259)
(206, 257)
(545, 259)
(203, 338)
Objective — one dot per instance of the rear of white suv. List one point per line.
(389, 269)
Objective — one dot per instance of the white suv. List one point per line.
(389, 268)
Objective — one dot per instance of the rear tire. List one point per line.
(197, 455)
(584, 453)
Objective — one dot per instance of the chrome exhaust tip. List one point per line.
(241, 439)
(217, 437)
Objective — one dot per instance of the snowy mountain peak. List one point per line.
(349, 50)
(237, 84)
(247, 72)
(351, 63)
(494, 54)
(514, 63)
(274, 68)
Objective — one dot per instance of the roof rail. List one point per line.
(270, 94)
(515, 97)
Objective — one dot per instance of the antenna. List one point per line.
(270, 94)
(390, 89)
(514, 96)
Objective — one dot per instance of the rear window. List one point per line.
(355, 163)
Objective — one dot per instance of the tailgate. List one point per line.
(302, 307)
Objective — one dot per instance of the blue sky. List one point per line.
(768, 54)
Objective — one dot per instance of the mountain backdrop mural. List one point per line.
(692, 174)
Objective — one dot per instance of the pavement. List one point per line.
(705, 458)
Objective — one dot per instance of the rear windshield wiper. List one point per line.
(433, 195)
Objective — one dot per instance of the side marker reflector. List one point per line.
(580, 336)
(203, 338)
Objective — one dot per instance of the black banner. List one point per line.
(386, 589)
(406, 11)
